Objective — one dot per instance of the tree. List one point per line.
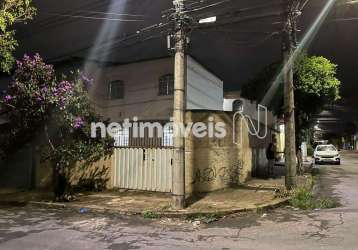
(315, 86)
(54, 112)
(11, 12)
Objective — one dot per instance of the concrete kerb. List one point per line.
(164, 214)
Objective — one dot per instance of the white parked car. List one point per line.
(326, 154)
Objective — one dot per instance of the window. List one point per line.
(168, 134)
(326, 148)
(121, 138)
(166, 85)
(116, 90)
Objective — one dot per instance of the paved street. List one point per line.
(35, 228)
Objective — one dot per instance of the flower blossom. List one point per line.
(8, 98)
(78, 123)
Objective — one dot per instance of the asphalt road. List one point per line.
(34, 228)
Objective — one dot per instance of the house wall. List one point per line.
(141, 91)
(213, 163)
(204, 90)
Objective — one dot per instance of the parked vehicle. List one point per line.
(327, 154)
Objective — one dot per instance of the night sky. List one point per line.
(234, 52)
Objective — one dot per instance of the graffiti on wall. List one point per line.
(229, 175)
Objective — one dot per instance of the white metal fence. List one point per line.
(143, 169)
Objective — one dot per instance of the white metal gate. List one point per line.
(143, 169)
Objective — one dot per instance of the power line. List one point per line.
(55, 21)
(111, 13)
(97, 18)
(109, 45)
(163, 28)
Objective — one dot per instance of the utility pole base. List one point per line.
(291, 182)
(178, 201)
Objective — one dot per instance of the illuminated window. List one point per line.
(168, 134)
(116, 90)
(166, 85)
(121, 138)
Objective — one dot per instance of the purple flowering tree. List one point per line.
(56, 114)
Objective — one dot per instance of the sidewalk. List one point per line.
(257, 194)
(275, 184)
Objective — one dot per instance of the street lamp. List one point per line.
(208, 20)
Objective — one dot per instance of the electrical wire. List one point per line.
(117, 42)
(111, 13)
(146, 33)
(97, 18)
(56, 21)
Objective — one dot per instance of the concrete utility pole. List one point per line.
(288, 46)
(179, 107)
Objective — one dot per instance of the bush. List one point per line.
(151, 215)
(54, 112)
(304, 199)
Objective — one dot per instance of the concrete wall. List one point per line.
(141, 99)
(212, 163)
(16, 171)
(99, 174)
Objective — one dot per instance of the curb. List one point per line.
(162, 214)
(14, 203)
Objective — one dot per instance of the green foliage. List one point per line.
(315, 86)
(54, 112)
(8, 45)
(303, 199)
(151, 215)
(316, 76)
(327, 203)
(12, 12)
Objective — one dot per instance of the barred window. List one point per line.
(166, 85)
(116, 90)
(168, 134)
(121, 138)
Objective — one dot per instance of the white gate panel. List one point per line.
(143, 169)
